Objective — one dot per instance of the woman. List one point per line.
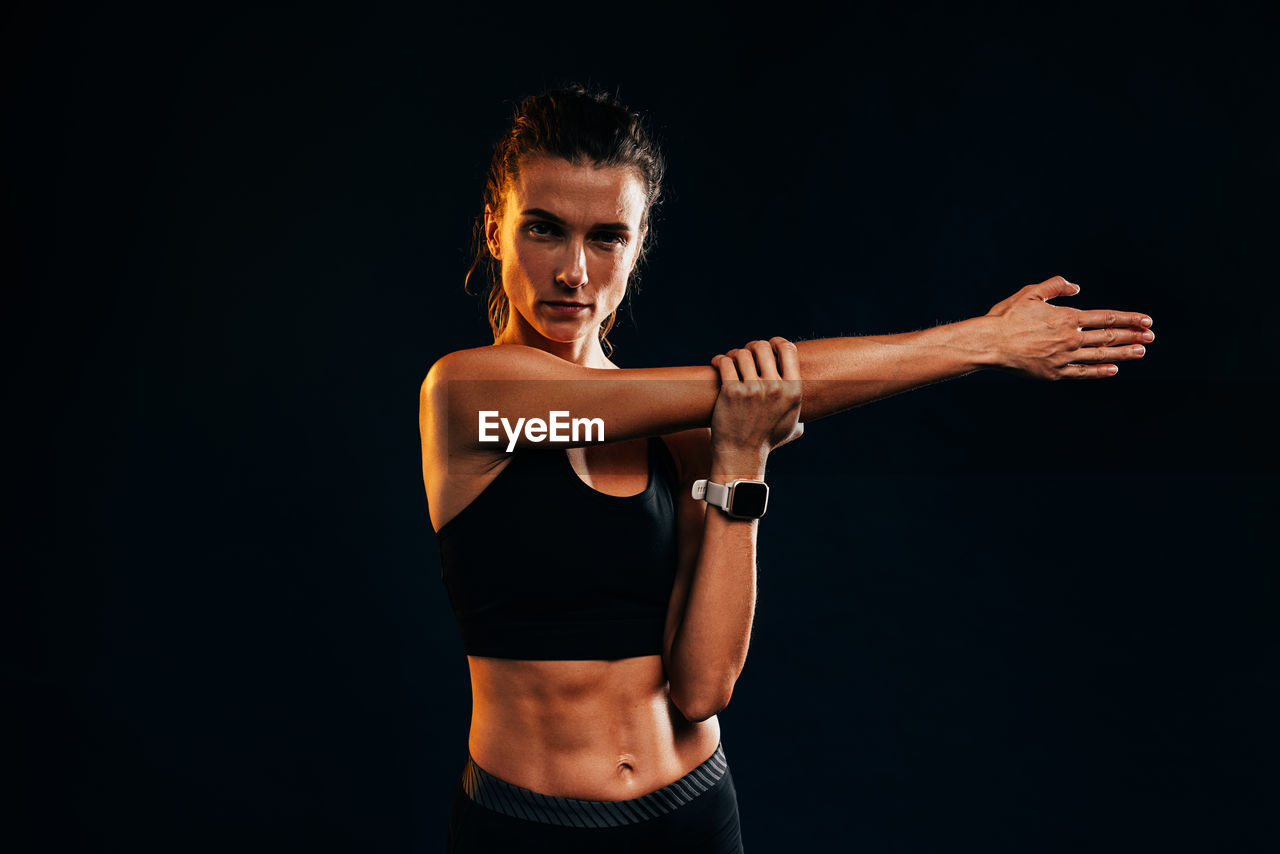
(605, 610)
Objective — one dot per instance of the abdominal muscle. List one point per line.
(594, 730)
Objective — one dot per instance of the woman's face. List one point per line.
(567, 239)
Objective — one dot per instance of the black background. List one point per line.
(995, 614)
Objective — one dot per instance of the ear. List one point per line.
(491, 233)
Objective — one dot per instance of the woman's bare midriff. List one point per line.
(595, 730)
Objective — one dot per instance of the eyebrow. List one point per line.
(548, 215)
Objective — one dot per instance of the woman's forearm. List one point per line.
(840, 373)
(710, 644)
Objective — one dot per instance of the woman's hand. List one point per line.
(758, 407)
(1054, 342)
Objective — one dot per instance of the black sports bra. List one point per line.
(541, 566)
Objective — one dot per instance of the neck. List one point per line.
(585, 351)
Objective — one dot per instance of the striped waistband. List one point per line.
(511, 800)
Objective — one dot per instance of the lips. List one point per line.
(566, 308)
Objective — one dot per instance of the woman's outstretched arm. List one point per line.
(1024, 334)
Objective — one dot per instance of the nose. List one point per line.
(573, 268)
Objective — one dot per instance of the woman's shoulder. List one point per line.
(495, 361)
(460, 364)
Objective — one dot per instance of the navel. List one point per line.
(626, 764)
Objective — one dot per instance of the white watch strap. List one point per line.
(716, 494)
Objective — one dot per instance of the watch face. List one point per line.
(749, 499)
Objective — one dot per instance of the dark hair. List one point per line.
(582, 127)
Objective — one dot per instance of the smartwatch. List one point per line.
(741, 499)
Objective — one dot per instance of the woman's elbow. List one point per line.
(700, 705)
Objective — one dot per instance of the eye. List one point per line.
(543, 229)
(611, 238)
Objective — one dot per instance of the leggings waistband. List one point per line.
(511, 800)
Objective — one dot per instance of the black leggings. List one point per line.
(697, 814)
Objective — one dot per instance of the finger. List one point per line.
(1116, 337)
(728, 369)
(1087, 372)
(788, 358)
(746, 364)
(1056, 286)
(1108, 354)
(766, 362)
(1100, 318)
